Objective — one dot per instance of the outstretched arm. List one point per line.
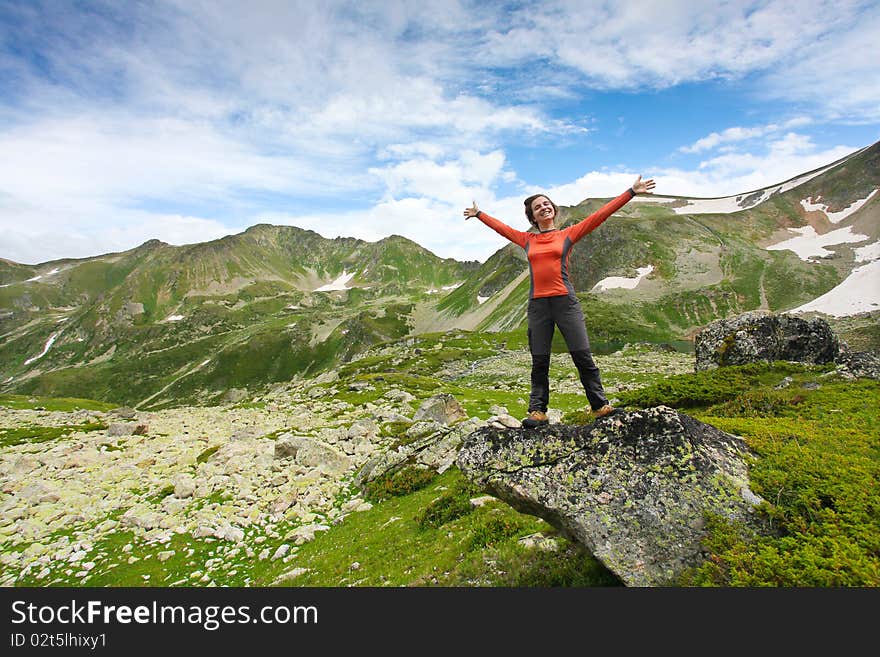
(515, 236)
(592, 222)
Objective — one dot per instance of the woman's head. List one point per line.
(540, 207)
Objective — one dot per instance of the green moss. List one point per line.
(494, 528)
(205, 455)
(395, 429)
(39, 434)
(400, 482)
(702, 389)
(53, 403)
(162, 494)
(817, 467)
(452, 504)
(391, 548)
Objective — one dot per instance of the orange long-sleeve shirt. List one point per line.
(548, 252)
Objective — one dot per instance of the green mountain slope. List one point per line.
(162, 323)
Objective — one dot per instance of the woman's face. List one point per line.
(542, 209)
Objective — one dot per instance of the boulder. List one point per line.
(634, 488)
(442, 408)
(311, 453)
(758, 336)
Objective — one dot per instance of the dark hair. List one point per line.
(528, 204)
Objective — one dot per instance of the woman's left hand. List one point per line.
(471, 211)
(643, 186)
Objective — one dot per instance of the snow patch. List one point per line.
(809, 244)
(173, 318)
(482, 300)
(622, 282)
(35, 278)
(339, 284)
(710, 206)
(834, 217)
(858, 293)
(39, 276)
(791, 184)
(868, 252)
(46, 348)
(445, 288)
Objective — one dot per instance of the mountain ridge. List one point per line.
(273, 302)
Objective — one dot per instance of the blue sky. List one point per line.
(186, 121)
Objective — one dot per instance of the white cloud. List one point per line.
(184, 121)
(815, 52)
(743, 171)
(838, 70)
(36, 238)
(435, 225)
(739, 134)
(633, 43)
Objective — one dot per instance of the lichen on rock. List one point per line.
(634, 488)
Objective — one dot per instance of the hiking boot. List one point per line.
(535, 419)
(607, 409)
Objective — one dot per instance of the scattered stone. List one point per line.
(858, 363)
(121, 429)
(504, 422)
(290, 574)
(540, 542)
(234, 395)
(482, 500)
(184, 486)
(305, 533)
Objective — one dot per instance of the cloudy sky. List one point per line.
(187, 120)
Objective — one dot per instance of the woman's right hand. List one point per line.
(471, 212)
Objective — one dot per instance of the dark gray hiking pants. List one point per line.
(544, 315)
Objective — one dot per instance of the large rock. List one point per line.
(758, 336)
(633, 487)
(310, 453)
(431, 445)
(442, 408)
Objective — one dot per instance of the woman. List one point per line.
(552, 299)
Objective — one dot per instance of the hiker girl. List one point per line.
(552, 299)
